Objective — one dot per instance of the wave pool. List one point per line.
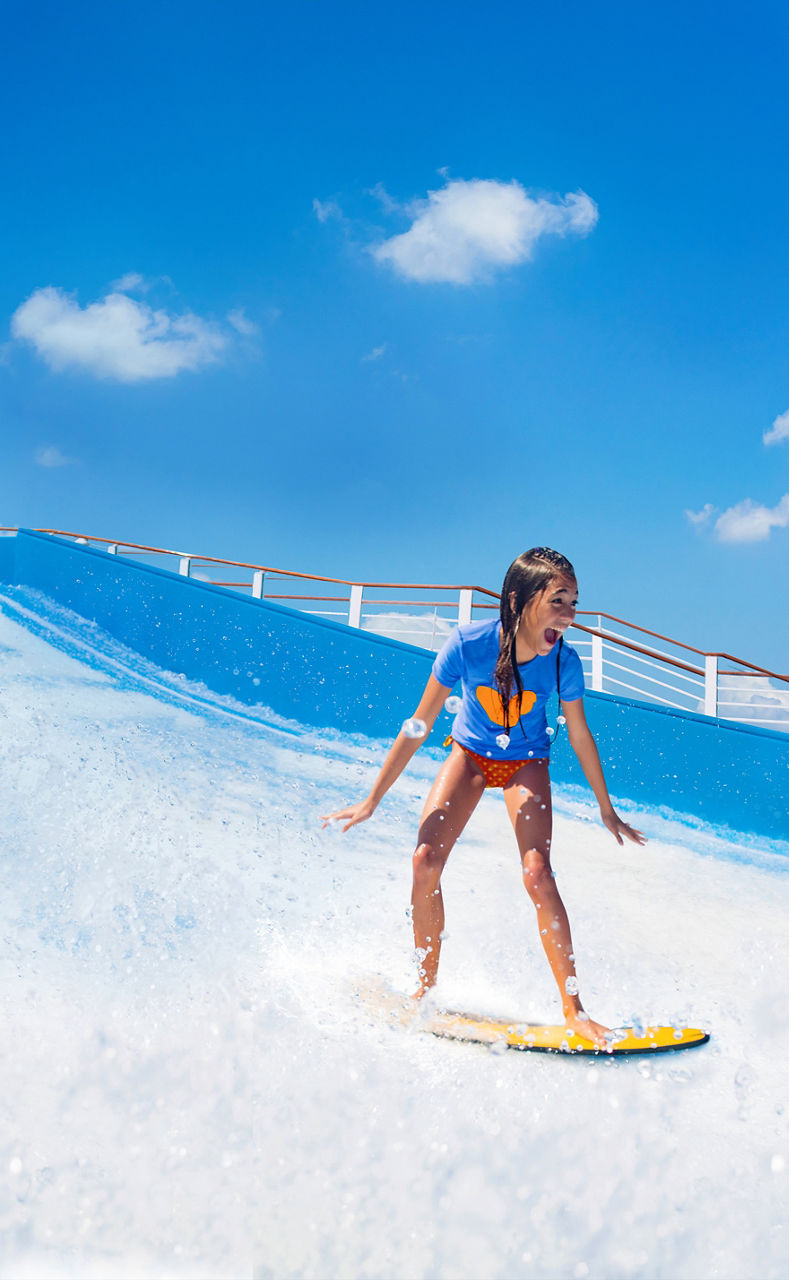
(193, 1086)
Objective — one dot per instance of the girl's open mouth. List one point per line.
(551, 636)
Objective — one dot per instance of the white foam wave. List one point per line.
(190, 1085)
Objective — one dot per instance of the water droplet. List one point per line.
(503, 740)
(571, 986)
(414, 728)
(453, 704)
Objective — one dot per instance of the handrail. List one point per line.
(273, 595)
(753, 669)
(639, 648)
(705, 653)
(261, 568)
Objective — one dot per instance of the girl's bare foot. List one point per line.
(583, 1026)
(424, 988)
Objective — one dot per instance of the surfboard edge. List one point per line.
(482, 1029)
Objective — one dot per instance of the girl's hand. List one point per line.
(618, 828)
(354, 813)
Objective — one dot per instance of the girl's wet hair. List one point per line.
(527, 577)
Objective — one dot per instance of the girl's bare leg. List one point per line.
(453, 798)
(528, 799)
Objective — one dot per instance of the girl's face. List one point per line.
(548, 616)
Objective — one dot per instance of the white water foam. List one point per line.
(191, 1087)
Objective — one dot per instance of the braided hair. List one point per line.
(527, 577)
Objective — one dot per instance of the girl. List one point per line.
(500, 738)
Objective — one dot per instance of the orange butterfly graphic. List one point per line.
(490, 702)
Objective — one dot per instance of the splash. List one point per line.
(194, 1084)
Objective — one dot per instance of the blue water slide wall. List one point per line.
(328, 675)
(7, 558)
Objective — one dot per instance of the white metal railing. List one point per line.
(618, 657)
(618, 661)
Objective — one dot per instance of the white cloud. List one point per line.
(242, 324)
(132, 282)
(779, 430)
(461, 232)
(749, 521)
(325, 209)
(49, 455)
(115, 337)
(376, 352)
(388, 204)
(701, 517)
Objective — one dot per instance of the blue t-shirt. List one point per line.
(470, 655)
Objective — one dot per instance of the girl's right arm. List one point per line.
(403, 749)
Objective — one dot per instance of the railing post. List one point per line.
(597, 664)
(355, 607)
(464, 605)
(112, 549)
(711, 684)
(184, 566)
(257, 584)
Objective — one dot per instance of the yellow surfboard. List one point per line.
(480, 1029)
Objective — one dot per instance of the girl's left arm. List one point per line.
(585, 748)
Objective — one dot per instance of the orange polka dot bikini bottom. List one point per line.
(496, 773)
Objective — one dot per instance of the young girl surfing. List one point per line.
(507, 668)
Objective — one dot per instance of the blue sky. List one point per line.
(398, 291)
